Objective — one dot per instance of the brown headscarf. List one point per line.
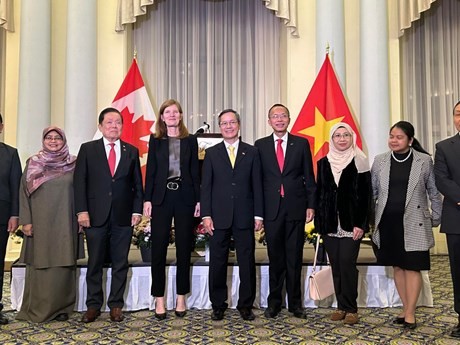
(47, 165)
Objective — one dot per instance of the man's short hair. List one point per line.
(455, 106)
(1, 119)
(229, 111)
(279, 105)
(106, 111)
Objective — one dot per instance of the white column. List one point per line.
(330, 29)
(81, 83)
(34, 99)
(374, 77)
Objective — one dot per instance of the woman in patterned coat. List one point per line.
(402, 183)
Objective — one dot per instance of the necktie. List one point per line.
(112, 159)
(232, 155)
(280, 159)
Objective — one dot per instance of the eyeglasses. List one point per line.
(344, 136)
(279, 116)
(48, 138)
(229, 123)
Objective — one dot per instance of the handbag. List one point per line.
(320, 282)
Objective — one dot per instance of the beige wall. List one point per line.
(113, 59)
(114, 54)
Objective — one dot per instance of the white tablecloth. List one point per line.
(376, 288)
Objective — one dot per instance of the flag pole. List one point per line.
(135, 53)
(327, 48)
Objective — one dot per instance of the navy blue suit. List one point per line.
(110, 202)
(232, 197)
(284, 218)
(10, 177)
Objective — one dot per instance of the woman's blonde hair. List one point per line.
(160, 126)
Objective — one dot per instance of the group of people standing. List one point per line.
(242, 188)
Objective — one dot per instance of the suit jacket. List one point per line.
(10, 177)
(97, 192)
(447, 174)
(158, 170)
(297, 177)
(418, 220)
(349, 201)
(232, 196)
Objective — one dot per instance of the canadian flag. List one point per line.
(134, 104)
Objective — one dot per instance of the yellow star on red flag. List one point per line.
(324, 107)
(320, 130)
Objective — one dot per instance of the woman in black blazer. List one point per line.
(172, 190)
(344, 192)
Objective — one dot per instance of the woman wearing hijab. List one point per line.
(344, 192)
(51, 243)
(402, 182)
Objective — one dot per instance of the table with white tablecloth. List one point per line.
(376, 288)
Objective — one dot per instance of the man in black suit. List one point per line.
(447, 174)
(10, 177)
(231, 205)
(289, 196)
(108, 202)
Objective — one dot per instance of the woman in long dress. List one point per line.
(51, 243)
(402, 183)
(344, 193)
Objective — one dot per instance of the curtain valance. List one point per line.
(409, 11)
(128, 10)
(6, 15)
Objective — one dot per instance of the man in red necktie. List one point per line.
(290, 198)
(108, 202)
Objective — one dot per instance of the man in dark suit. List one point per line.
(447, 174)
(108, 202)
(289, 196)
(231, 205)
(10, 176)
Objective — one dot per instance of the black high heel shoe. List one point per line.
(180, 313)
(409, 325)
(398, 321)
(160, 316)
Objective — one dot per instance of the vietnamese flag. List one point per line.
(134, 104)
(324, 107)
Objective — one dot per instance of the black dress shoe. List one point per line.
(271, 312)
(398, 321)
(180, 313)
(299, 313)
(217, 314)
(3, 319)
(409, 325)
(62, 317)
(247, 314)
(456, 332)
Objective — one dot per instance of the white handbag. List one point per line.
(320, 282)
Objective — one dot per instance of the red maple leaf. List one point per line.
(134, 131)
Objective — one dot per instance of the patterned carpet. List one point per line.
(141, 327)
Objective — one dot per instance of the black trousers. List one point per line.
(219, 246)
(173, 206)
(4, 234)
(285, 241)
(453, 245)
(117, 240)
(343, 253)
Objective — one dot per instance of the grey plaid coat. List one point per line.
(418, 220)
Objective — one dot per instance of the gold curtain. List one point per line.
(128, 10)
(409, 11)
(6, 15)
